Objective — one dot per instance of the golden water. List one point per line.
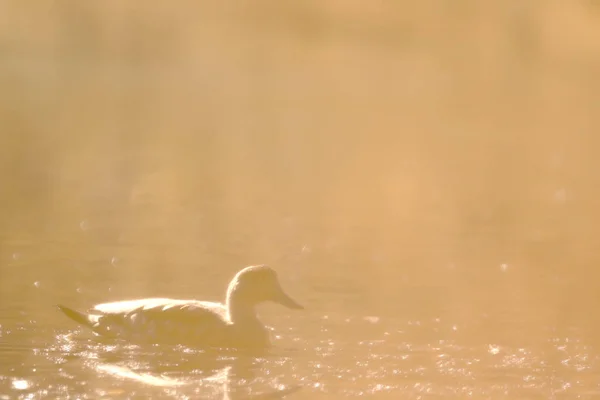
(424, 177)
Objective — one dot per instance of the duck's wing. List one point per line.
(176, 323)
(157, 321)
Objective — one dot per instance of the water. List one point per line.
(424, 179)
(391, 362)
(343, 345)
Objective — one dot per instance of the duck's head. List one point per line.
(257, 284)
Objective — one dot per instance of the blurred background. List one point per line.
(393, 158)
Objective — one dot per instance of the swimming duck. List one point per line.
(233, 324)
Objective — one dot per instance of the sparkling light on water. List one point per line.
(20, 384)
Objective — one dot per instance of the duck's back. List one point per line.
(127, 306)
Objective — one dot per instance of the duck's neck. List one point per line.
(247, 328)
(240, 310)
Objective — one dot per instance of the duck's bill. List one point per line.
(287, 301)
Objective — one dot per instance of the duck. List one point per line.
(233, 324)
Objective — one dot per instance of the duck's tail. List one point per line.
(79, 317)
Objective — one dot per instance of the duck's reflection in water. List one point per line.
(145, 378)
(183, 372)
